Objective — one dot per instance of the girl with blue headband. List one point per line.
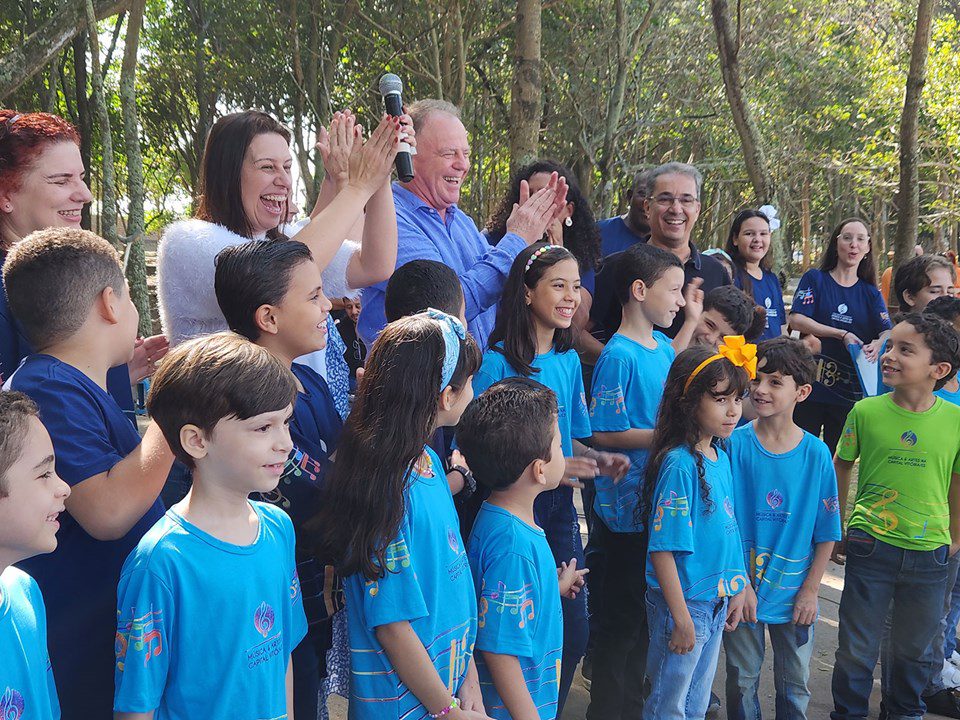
(390, 521)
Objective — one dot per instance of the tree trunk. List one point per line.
(108, 179)
(526, 103)
(805, 224)
(136, 223)
(753, 155)
(84, 124)
(908, 193)
(33, 55)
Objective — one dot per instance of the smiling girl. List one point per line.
(748, 245)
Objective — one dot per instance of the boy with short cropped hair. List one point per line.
(31, 499)
(907, 509)
(421, 284)
(271, 292)
(209, 605)
(66, 288)
(511, 438)
(788, 513)
(627, 387)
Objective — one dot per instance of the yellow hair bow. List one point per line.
(737, 350)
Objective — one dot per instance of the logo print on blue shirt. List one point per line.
(842, 308)
(263, 619)
(767, 302)
(774, 499)
(908, 439)
(728, 506)
(11, 705)
(452, 540)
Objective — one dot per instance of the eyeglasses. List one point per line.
(666, 201)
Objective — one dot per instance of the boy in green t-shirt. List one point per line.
(905, 523)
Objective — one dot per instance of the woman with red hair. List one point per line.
(42, 185)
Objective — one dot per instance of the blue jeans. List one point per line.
(680, 684)
(555, 513)
(953, 617)
(745, 648)
(877, 575)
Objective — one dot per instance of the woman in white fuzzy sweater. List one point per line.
(245, 187)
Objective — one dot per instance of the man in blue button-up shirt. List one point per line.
(431, 226)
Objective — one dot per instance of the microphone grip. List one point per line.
(404, 165)
(394, 104)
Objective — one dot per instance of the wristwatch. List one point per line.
(469, 483)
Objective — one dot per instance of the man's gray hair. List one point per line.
(675, 168)
(641, 183)
(422, 109)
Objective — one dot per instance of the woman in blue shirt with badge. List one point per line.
(748, 245)
(840, 304)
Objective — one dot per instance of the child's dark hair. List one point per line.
(214, 377)
(505, 429)
(946, 307)
(914, 275)
(744, 315)
(787, 356)
(641, 262)
(54, 276)
(392, 418)
(16, 409)
(942, 339)
(677, 416)
(739, 264)
(514, 327)
(421, 284)
(254, 274)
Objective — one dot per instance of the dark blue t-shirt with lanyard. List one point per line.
(767, 294)
(858, 309)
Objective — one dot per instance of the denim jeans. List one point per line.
(953, 617)
(619, 648)
(745, 648)
(555, 513)
(680, 684)
(877, 575)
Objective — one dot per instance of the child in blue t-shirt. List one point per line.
(208, 605)
(695, 570)
(748, 244)
(31, 499)
(388, 519)
(627, 386)
(511, 439)
(785, 496)
(270, 291)
(89, 326)
(533, 337)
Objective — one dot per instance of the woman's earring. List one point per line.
(568, 222)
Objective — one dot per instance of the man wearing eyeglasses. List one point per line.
(672, 208)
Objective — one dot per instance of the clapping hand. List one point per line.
(371, 162)
(336, 144)
(533, 213)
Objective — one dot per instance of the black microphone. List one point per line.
(391, 87)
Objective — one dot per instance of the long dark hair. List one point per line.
(866, 270)
(582, 238)
(739, 263)
(382, 440)
(514, 327)
(677, 417)
(220, 201)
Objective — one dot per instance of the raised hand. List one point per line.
(336, 144)
(372, 161)
(533, 213)
(147, 353)
(693, 299)
(613, 465)
(579, 466)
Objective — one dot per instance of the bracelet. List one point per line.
(844, 336)
(454, 703)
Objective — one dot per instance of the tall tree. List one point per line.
(136, 223)
(526, 100)
(908, 193)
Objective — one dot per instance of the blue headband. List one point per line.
(453, 335)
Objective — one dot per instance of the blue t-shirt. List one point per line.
(315, 430)
(205, 628)
(859, 309)
(558, 371)
(90, 435)
(704, 539)
(426, 582)
(519, 601)
(767, 294)
(627, 387)
(952, 397)
(27, 689)
(615, 236)
(785, 503)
